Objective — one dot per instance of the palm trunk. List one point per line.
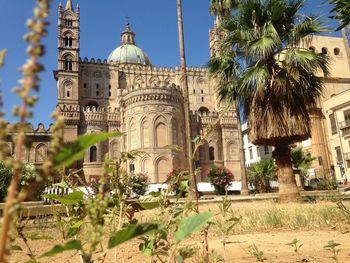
(184, 85)
(244, 188)
(288, 190)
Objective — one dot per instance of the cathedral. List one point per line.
(127, 93)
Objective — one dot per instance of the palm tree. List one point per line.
(225, 69)
(302, 162)
(342, 12)
(261, 173)
(278, 83)
(222, 8)
(193, 192)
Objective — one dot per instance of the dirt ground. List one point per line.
(272, 242)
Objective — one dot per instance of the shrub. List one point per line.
(220, 178)
(5, 180)
(139, 183)
(178, 181)
(28, 175)
(261, 173)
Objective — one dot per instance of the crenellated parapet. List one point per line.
(229, 120)
(70, 113)
(99, 115)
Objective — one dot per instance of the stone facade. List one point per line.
(142, 101)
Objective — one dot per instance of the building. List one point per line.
(125, 92)
(253, 153)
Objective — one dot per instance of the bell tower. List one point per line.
(68, 53)
(67, 74)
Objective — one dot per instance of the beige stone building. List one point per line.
(330, 141)
(126, 92)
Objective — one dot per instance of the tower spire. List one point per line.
(69, 5)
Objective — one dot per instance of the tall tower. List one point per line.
(68, 53)
(67, 74)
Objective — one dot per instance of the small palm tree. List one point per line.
(261, 173)
(302, 162)
(278, 84)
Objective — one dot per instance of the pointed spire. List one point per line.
(77, 9)
(128, 36)
(69, 5)
(60, 6)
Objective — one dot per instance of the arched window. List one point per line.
(68, 41)
(133, 136)
(324, 50)
(161, 136)
(68, 22)
(93, 154)
(336, 51)
(162, 168)
(68, 94)
(68, 64)
(40, 153)
(211, 153)
(203, 110)
(312, 48)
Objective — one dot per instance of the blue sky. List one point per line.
(153, 21)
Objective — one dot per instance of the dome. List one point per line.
(128, 51)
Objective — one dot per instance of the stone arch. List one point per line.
(154, 81)
(93, 154)
(40, 153)
(336, 51)
(211, 153)
(324, 50)
(138, 81)
(68, 61)
(114, 149)
(203, 110)
(67, 88)
(145, 133)
(160, 131)
(232, 150)
(132, 134)
(92, 103)
(162, 167)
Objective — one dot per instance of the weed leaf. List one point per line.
(70, 199)
(191, 224)
(74, 151)
(131, 232)
(71, 245)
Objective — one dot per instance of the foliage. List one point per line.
(178, 181)
(139, 183)
(28, 175)
(226, 220)
(261, 173)
(222, 8)
(220, 177)
(265, 38)
(326, 183)
(2, 57)
(302, 161)
(258, 254)
(342, 12)
(331, 245)
(296, 245)
(5, 180)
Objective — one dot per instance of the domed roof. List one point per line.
(128, 52)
